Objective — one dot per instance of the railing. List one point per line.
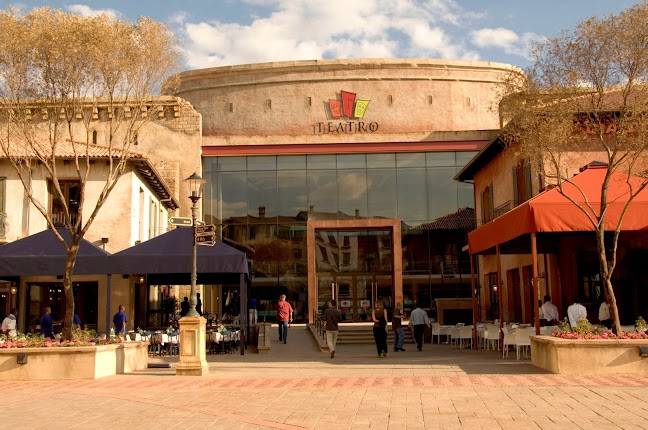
(502, 209)
(58, 218)
(320, 326)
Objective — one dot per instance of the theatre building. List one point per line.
(336, 176)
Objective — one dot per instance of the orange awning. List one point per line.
(551, 212)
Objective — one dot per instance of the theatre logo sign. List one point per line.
(347, 116)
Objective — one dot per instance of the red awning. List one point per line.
(551, 212)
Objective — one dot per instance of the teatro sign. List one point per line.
(349, 112)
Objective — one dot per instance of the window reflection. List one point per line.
(352, 192)
(412, 201)
(381, 192)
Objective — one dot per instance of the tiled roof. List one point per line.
(463, 219)
(69, 149)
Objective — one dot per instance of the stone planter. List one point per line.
(588, 356)
(83, 362)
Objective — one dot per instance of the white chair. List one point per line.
(465, 335)
(547, 330)
(436, 331)
(523, 340)
(491, 337)
(453, 333)
(509, 340)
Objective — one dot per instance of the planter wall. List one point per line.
(588, 357)
(84, 362)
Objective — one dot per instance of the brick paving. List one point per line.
(296, 387)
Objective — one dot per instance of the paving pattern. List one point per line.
(297, 387)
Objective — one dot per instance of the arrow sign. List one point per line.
(207, 239)
(202, 229)
(185, 221)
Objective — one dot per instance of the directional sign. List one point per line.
(185, 221)
(200, 222)
(203, 229)
(207, 240)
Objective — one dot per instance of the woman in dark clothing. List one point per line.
(379, 317)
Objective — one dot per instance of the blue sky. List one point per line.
(223, 32)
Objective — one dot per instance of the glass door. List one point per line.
(325, 291)
(363, 297)
(345, 299)
(384, 291)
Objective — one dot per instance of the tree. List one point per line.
(585, 98)
(60, 74)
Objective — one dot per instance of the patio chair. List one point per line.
(491, 337)
(509, 340)
(523, 341)
(155, 344)
(465, 335)
(436, 331)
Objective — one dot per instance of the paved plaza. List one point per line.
(297, 387)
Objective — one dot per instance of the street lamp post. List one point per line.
(193, 359)
(195, 187)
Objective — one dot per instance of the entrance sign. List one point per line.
(180, 221)
(207, 240)
(349, 108)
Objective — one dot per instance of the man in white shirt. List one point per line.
(419, 320)
(604, 314)
(548, 312)
(9, 324)
(575, 313)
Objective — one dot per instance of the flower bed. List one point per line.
(35, 358)
(589, 356)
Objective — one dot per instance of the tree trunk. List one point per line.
(70, 261)
(606, 276)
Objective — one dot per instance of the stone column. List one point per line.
(193, 359)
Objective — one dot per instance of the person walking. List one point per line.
(332, 316)
(253, 315)
(120, 319)
(397, 327)
(419, 320)
(284, 317)
(9, 324)
(379, 318)
(198, 304)
(47, 324)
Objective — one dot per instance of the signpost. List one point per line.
(181, 221)
(206, 235)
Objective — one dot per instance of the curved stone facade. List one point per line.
(289, 102)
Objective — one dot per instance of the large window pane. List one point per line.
(268, 251)
(210, 164)
(322, 192)
(440, 159)
(416, 159)
(377, 161)
(210, 199)
(351, 161)
(265, 162)
(442, 191)
(327, 251)
(352, 192)
(291, 162)
(233, 195)
(464, 157)
(412, 201)
(262, 194)
(381, 186)
(466, 197)
(414, 241)
(293, 193)
(321, 162)
(293, 236)
(227, 164)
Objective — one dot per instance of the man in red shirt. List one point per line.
(284, 316)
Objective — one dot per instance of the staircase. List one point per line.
(362, 334)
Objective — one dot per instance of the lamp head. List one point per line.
(196, 183)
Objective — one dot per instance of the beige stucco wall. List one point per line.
(279, 103)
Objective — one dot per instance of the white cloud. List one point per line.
(303, 29)
(505, 39)
(85, 10)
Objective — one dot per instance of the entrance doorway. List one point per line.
(354, 266)
(356, 294)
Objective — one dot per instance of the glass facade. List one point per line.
(264, 203)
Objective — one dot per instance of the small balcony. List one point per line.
(58, 218)
(503, 208)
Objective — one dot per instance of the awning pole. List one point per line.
(108, 302)
(474, 301)
(500, 305)
(534, 282)
(243, 311)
